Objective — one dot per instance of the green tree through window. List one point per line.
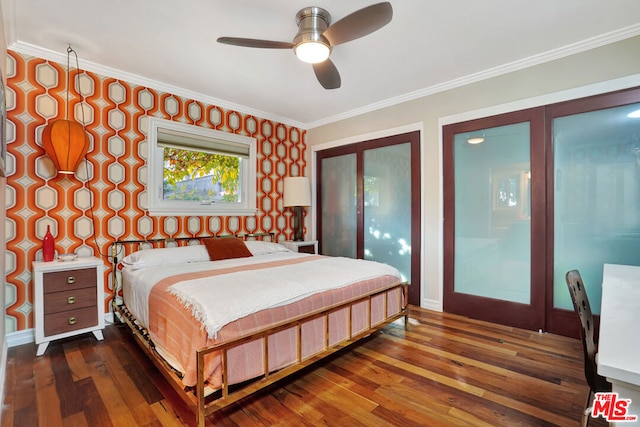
(199, 175)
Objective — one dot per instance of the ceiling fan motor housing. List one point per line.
(312, 22)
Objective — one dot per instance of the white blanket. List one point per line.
(221, 299)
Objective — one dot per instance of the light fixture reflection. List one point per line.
(634, 114)
(475, 140)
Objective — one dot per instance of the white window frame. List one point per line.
(155, 173)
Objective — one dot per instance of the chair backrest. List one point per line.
(582, 307)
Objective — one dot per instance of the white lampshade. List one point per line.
(297, 191)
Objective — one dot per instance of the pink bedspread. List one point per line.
(175, 332)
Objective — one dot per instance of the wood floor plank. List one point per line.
(444, 370)
(126, 386)
(76, 362)
(374, 387)
(165, 415)
(76, 420)
(113, 398)
(47, 399)
(297, 405)
(496, 378)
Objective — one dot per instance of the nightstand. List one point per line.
(307, 246)
(68, 299)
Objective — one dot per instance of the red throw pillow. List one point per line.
(225, 248)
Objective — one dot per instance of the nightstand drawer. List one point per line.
(57, 281)
(70, 300)
(71, 320)
(301, 246)
(307, 249)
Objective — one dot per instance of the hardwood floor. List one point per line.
(445, 370)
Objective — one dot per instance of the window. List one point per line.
(195, 170)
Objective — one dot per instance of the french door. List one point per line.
(369, 203)
(493, 268)
(593, 196)
(549, 189)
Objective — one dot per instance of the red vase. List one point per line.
(48, 246)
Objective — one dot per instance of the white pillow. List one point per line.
(258, 247)
(154, 257)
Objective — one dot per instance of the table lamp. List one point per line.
(297, 193)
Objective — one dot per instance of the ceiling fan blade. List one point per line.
(327, 74)
(265, 44)
(359, 23)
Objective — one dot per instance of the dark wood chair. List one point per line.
(597, 383)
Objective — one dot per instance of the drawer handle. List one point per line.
(71, 280)
(71, 300)
(72, 320)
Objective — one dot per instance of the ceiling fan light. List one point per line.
(312, 52)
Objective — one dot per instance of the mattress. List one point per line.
(254, 292)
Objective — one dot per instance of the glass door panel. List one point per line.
(387, 206)
(369, 203)
(338, 202)
(492, 237)
(596, 197)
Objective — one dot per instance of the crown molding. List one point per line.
(562, 52)
(61, 58)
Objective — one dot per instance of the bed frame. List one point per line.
(197, 398)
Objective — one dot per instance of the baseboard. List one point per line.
(3, 369)
(432, 304)
(108, 318)
(27, 336)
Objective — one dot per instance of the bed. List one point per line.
(223, 317)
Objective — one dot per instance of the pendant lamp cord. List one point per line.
(86, 156)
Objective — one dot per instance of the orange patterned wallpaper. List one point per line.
(107, 192)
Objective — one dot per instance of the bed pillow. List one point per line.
(154, 257)
(258, 247)
(225, 248)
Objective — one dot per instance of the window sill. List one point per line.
(202, 211)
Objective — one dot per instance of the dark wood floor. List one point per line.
(445, 370)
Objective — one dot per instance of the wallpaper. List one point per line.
(106, 199)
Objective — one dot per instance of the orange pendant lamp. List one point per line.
(65, 141)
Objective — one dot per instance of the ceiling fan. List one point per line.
(316, 37)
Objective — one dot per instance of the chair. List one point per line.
(597, 383)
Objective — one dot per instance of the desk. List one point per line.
(619, 342)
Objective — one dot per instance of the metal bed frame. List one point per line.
(203, 404)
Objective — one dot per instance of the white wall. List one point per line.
(607, 68)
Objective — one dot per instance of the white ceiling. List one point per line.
(430, 45)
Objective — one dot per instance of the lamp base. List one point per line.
(298, 234)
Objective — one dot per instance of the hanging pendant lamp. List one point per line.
(65, 141)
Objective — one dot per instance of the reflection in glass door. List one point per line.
(579, 209)
(369, 203)
(596, 196)
(387, 206)
(492, 265)
(338, 201)
(492, 219)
